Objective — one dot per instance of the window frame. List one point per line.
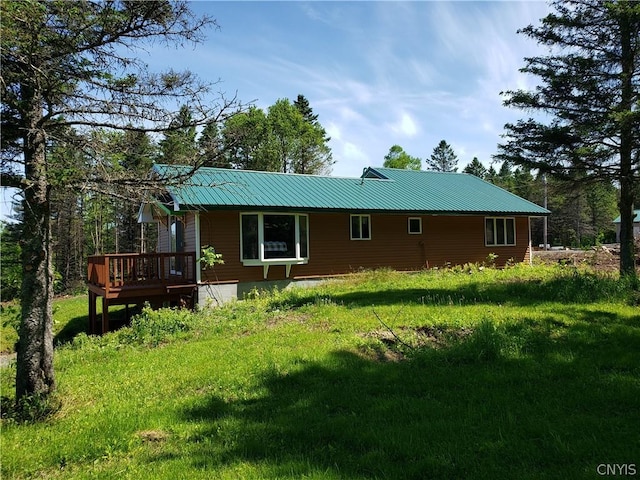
(419, 219)
(505, 221)
(176, 243)
(262, 260)
(360, 217)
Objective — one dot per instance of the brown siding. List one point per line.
(164, 242)
(190, 232)
(444, 239)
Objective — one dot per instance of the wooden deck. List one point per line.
(135, 278)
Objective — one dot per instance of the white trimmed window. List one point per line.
(176, 243)
(499, 231)
(274, 239)
(414, 225)
(360, 227)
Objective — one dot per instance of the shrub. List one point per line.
(152, 327)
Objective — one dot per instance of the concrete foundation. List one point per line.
(218, 294)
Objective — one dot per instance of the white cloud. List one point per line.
(405, 126)
(379, 73)
(333, 130)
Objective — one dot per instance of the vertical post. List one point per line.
(107, 274)
(92, 312)
(196, 262)
(162, 274)
(105, 315)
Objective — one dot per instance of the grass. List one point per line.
(69, 318)
(520, 373)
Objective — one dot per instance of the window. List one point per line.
(274, 238)
(500, 231)
(176, 239)
(415, 225)
(250, 240)
(360, 227)
(279, 236)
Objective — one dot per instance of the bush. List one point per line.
(152, 327)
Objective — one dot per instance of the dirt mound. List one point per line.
(603, 258)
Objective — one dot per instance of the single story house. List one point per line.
(636, 225)
(276, 228)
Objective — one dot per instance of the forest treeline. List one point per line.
(286, 138)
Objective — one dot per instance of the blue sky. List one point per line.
(376, 73)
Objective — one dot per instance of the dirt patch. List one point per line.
(153, 436)
(393, 346)
(605, 258)
(6, 359)
(601, 258)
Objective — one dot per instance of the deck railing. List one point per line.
(119, 270)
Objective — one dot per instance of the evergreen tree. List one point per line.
(137, 152)
(302, 105)
(590, 91)
(476, 168)
(523, 183)
(443, 158)
(10, 267)
(491, 175)
(210, 144)
(67, 64)
(179, 147)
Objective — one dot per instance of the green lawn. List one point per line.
(70, 316)
(524, 373)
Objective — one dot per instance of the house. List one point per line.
(636, 225)
(276, 228)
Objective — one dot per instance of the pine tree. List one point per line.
(179, 147)
(443, 158)
(589, 91)
(476, 168)
(71, 64)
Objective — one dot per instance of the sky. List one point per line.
(376, 73)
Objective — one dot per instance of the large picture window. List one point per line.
(499, 231)
(275, 238)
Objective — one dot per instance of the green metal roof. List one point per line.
(378, 190)
(636, 217)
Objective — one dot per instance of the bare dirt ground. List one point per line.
(605, 258)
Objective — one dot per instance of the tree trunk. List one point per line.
(34, 376)
(627, 247)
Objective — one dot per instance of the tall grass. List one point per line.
(514, 373)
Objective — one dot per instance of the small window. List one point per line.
(304, 236)
(250, 237)
(360, 227)
(176, 244)
(500, 231)
(415, 225)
